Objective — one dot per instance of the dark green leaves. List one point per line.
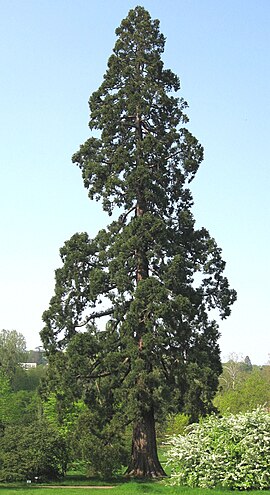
(129, 329)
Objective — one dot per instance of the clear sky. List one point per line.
(53, 54)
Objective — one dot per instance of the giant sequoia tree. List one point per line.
(153, 276)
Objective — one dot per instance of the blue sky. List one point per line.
(53, 55)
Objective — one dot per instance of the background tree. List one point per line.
(19, 406)
(28, 379)
(250, 391)
(30, 444)
(5, 395)
(151, 273)
(247, 364)
(36, 355)
(12, 351)
(232, 372)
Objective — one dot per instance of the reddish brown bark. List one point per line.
(144, 458)
(144, 461)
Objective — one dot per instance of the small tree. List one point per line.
(232, 372)
(247, 364)
(158, 350)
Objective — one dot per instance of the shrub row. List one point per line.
(230, 452)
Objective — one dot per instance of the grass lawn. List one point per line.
(127, 488)
(76, 483)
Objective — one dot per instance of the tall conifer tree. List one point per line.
(151, 273)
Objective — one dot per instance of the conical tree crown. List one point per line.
(143, 151)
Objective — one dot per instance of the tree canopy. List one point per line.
(151, 273)
(12, 351)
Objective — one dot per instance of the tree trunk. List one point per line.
(144, 459)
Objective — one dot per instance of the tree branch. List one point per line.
(173, 155)
(124, 216)
(98, 314)
(164, 369)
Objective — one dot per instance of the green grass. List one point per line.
(120, 485)
(127, 488)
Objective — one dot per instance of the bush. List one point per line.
(104, 451)
(35, 450)
(230, 452)
(176, 424)
(104, 459)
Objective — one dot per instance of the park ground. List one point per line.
(75, 486)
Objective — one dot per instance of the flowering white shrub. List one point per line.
(231, 452)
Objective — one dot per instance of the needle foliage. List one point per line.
(151, 273)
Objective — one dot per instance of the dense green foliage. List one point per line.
(30, 445)
(29, 422)
(101, 456)
(231, 452)
(176, 424)
(12, 351)
(38, 450)
(242, 387)
(19, 401)
(158, 349)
